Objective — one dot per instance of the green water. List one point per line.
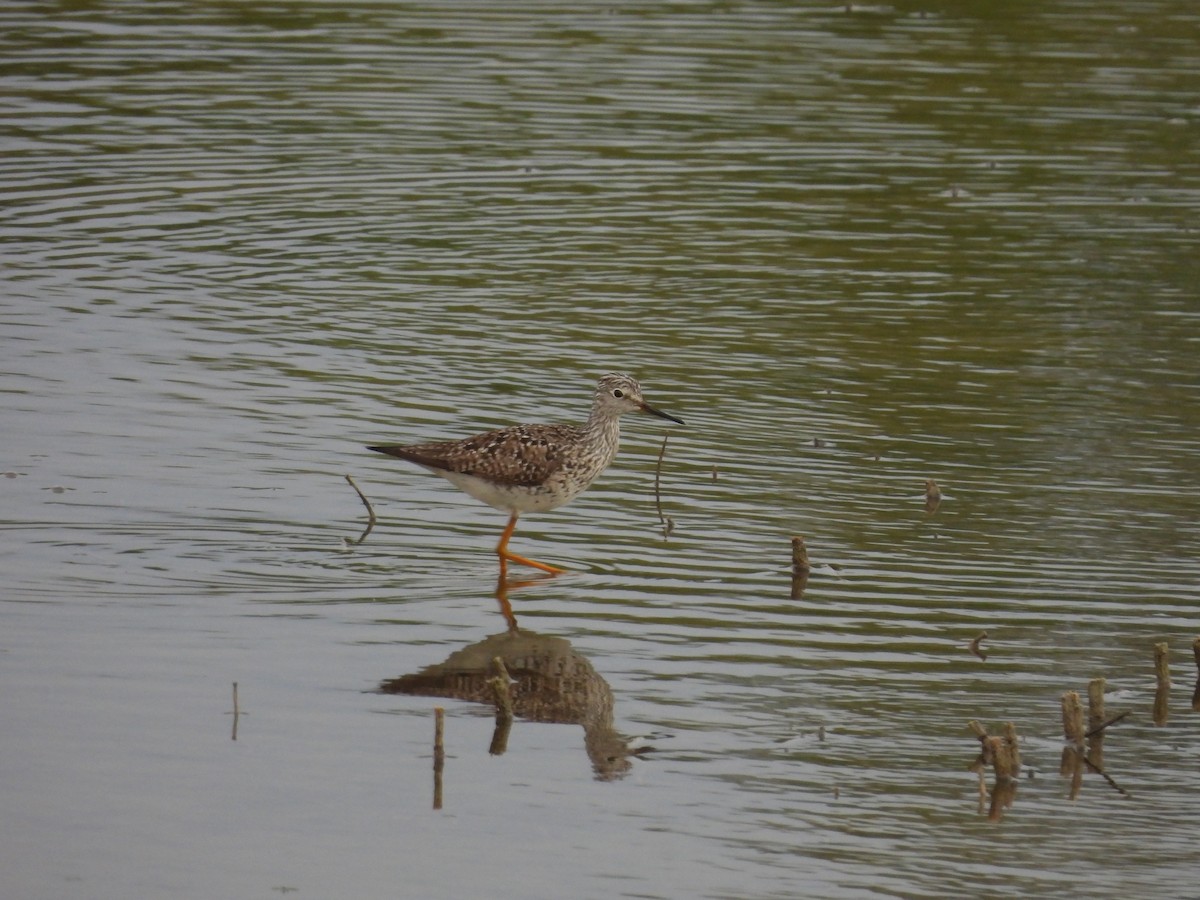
(855, 249)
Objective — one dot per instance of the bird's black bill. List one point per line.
(392, 450)
(647, 408)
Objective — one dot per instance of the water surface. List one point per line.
(855, 249)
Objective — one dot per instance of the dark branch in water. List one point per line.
(974, 645)
(370, 510)
(363, 498)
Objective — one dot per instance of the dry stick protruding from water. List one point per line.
(1000, 751)
(1094, 757)
(933, 497)
(439, 753)
(1196, 692)
(1072, 755)
(800, 566)
(800, 555)
(974, 645)
(1013, 760)
(1162, 674)
(668, 523)
(502, 693)
(1005, 758)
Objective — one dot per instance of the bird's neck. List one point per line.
(604, 431)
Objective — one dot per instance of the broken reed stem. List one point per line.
(439, 753)
(1094, 758)
(1005, 757)
(1072, 715)
(1002, 752)
(1074, 758)
(363, 498)
(1014, 750)
(1162, 674)
(1071, 764)
(800, 556)
(996, 750)
(933, 497)
(800, 566)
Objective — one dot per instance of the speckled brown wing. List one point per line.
(519, 456)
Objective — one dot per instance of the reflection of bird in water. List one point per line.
(534, 468)
(552, 683)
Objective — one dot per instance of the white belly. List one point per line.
(540, 498)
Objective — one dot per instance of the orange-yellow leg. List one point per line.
(503, 552)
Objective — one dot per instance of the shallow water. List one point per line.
(854, 250)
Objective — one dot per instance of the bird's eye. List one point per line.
(618, 393)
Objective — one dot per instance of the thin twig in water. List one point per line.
(237, 711)
(974, 645)
(667, 524)
(363, 498)
(1099, 728)
(370, 511)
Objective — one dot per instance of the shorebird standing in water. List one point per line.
(534, 468)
